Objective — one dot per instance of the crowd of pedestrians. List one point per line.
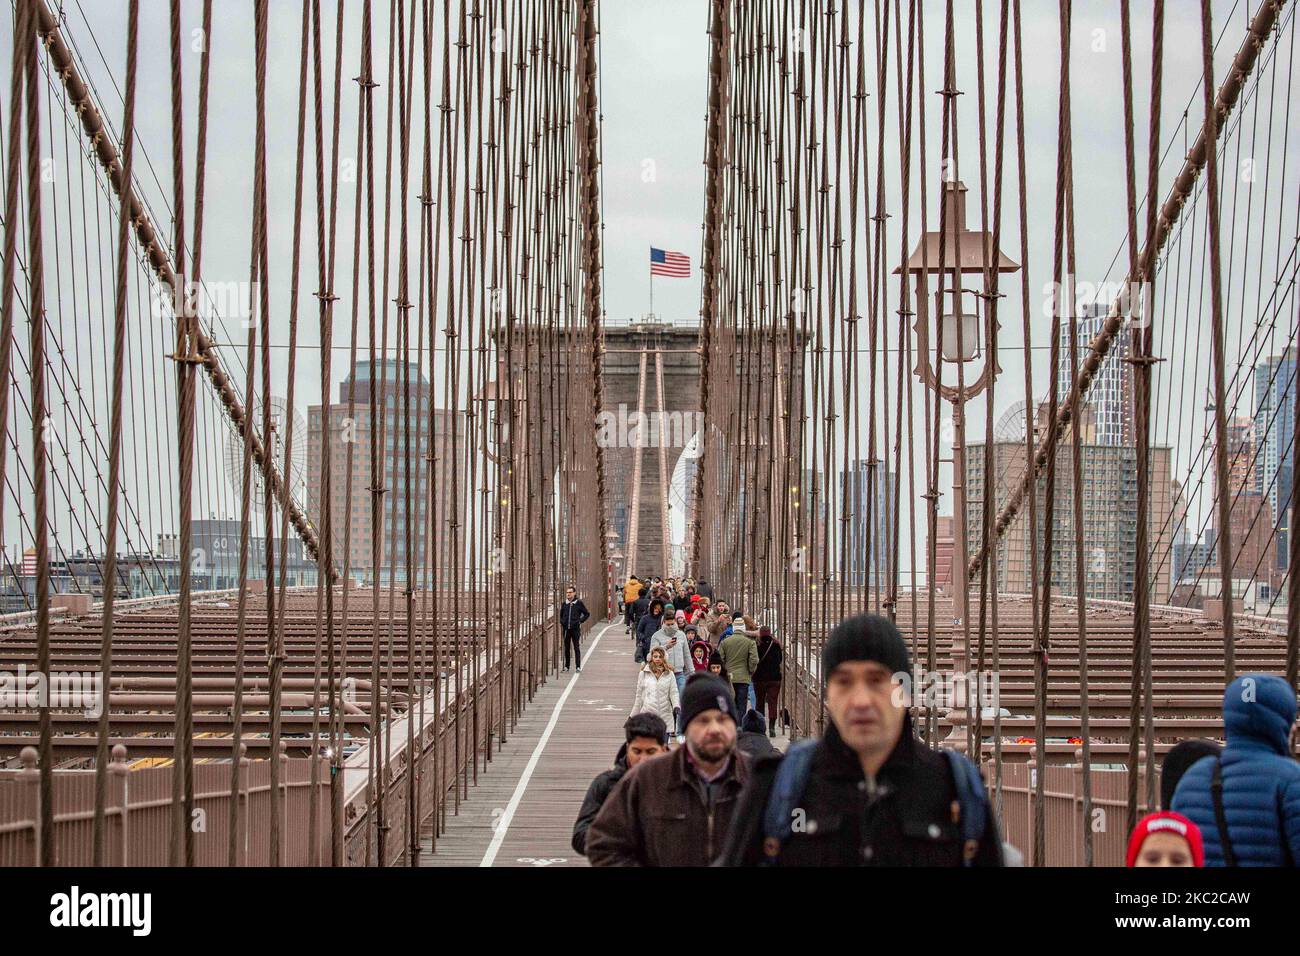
(699, 782)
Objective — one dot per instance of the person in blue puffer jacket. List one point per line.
(1260, 779)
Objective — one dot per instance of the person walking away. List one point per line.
(656, 690)
(677, 655)
(647, 736)
(631, 591)
(572, 615)
(1165, 839)
(1247, 801)
(870, 793)
(677, 811)
(639, 607)
(740, 657)
(767, 677)
(704, 589)
(646, 627)
(752, 739)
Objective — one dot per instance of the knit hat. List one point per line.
(1168, 822)
(865, 637)
(738, 623)
(753, 722)
(702, 692)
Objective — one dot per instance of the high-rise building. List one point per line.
(1109, 477)
(1241, 455)
(1274, 474)
(1252, 559)
(445, 446)
(868, 506)
(1110, 397)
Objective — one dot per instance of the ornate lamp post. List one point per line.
(965, 252)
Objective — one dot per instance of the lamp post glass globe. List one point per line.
(970, 337)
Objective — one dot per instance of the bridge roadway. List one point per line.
(522, 811)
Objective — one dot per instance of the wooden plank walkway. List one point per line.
(522, 811)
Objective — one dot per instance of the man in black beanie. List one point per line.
(868, 793)
(676, 810)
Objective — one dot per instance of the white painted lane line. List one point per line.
(490, 855)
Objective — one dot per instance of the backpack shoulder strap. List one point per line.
(1220, 817)
(972, 803)
(787, 789)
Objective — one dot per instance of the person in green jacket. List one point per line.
(739, 654)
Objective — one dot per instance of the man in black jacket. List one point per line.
(572, 613)
(639, 608)
(647, 736)
(874, 795)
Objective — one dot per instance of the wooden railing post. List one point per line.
(119, 769)
(243, 798)
(30, 777)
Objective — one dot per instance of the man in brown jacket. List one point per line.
(676, 810)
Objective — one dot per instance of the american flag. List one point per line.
(665, 263)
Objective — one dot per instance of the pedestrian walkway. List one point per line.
(522, 811)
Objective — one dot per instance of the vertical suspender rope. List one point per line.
(186, 358)
(115, 433)
(1044, 624)
(1223, 543)
(13, 185)
(1038, 648)
(36, 306)
(1076, 497)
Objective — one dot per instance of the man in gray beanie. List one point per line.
(868, 793)
(676, 810)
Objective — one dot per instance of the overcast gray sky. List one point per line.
(653, 85)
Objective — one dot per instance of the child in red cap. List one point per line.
(1165, 839)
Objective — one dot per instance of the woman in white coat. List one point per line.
(656, 689)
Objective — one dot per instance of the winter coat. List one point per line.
(1261, 781)
(769, 662)
(740, 657)
(645, 629)
(700, 662)
(755, 745)
(639, 608)
(572, 614)
(662, 814)
(717, 629)
(907, 822)
(678, 656)
(630, 591)
(657, 695)
(597, 793)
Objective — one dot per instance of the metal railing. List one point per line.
(441, 766)
(139, 813)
